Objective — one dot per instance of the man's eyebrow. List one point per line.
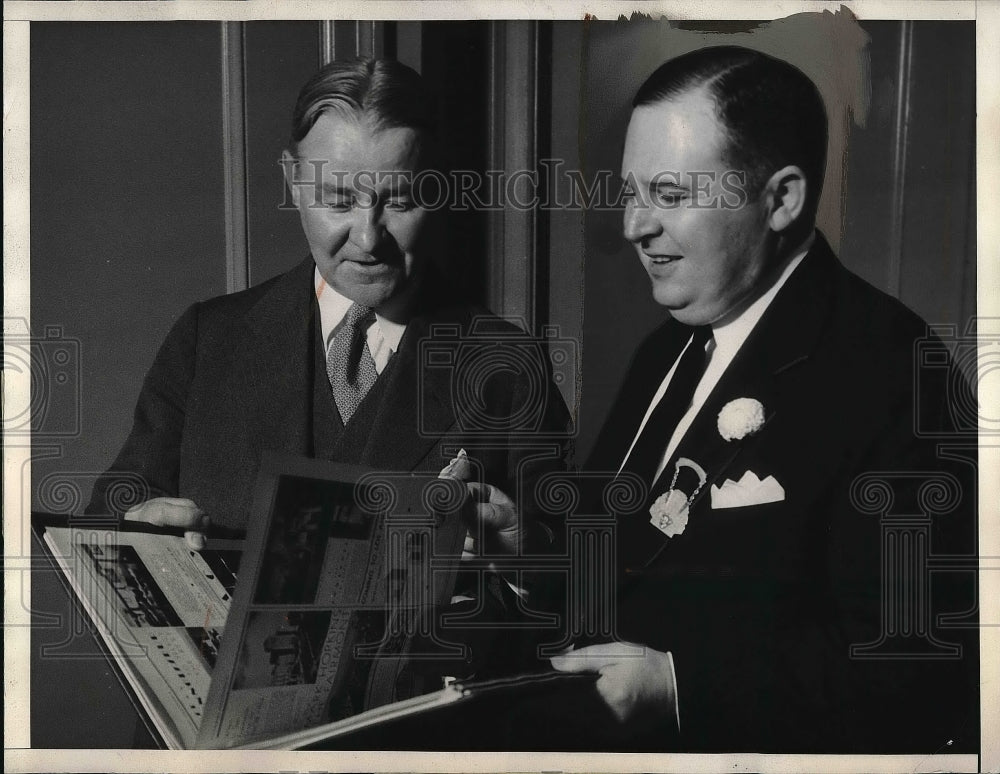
(398, 188)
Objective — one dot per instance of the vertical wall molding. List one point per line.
(327, 43)
(375, 39)
(349, 39)
(235, 156)
(494, 225)
(899, 157)
(512, 239)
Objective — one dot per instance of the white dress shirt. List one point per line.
(728, 336)
(383, 335)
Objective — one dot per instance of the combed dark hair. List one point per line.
(773, 115)
(385, 91)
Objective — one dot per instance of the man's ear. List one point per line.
(787, 189)
(288, 170)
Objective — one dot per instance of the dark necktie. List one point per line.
(349, 363)
(648, 451)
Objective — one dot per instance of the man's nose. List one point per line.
(367, 229)
(639, 222)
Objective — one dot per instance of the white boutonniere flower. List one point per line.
(740, 418)
(669, 512)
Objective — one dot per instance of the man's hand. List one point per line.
(636, 682)
(174, 512)
(497, 513)
(489, 507)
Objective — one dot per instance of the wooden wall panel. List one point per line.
(455, 62)
(938, 255)
(514, 267)
(565, 244)
(873, 163)
(280, 58)
(127, 224)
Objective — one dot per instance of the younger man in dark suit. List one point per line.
(763, 605)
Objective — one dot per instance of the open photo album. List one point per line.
(294, 637)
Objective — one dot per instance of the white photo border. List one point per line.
(16, 471)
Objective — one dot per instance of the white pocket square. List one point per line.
(749, 490)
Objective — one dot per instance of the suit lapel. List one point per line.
(279, 375)
(783, 339)
(645, 374)
(415, 410)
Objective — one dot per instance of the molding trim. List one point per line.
(327, 43)
(900, 140)
(513, 125)
(235, 156)
(349, 39)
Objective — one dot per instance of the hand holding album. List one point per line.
(636, 682)
(492, 512)
(176, 512)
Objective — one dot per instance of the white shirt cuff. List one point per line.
(673, 677)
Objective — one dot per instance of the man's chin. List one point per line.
(669, 300)
(689, 315)
(372, 294)
(393, 301)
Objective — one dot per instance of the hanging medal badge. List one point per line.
(669, 512)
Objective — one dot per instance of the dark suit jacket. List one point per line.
(245, 374)
(760, 605)
(235, 378)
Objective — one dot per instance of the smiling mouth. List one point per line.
(368, 266)
(369, 261)
(662, 260)
(382, 256)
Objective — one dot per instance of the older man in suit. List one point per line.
(753, 584)
(325, 360)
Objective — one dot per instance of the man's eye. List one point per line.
(670, 198)
(399, 205)
(338, 205)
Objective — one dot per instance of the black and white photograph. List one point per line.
(281, 648)
(694, 307)
(307, 515)
(140, 600)
(207, 643)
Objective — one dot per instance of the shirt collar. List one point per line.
(333, 306)
(730, 334)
